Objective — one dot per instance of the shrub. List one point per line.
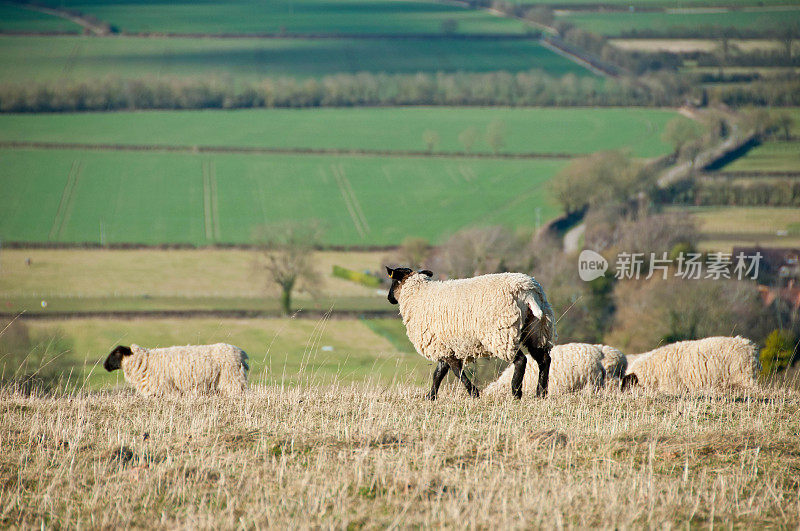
(365, 279)
(778, 352)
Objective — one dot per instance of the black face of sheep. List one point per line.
(630, 381)
(114, 360)
(398, 276)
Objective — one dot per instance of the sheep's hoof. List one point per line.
(430, 396)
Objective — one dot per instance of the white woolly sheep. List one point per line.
(454, 321)
(705, 364)
(574, 366)
(195, 369)
(615, 363)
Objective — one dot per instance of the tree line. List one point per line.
(363, 89)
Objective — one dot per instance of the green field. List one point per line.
(722, 228)
(80, 58)
(667, 4)
(280, 350)
(292, 16)
(614, 24)
(88, 196)
(526, 130)
(15, 19)
(772, 156)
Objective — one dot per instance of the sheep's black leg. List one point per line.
(520, 361)
(542, 357)
(438, 375)
(457, 366)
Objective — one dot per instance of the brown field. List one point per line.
(698, 45)
(157, 272)
(722, 228)
(372, 456)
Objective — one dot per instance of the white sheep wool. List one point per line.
(191, 369)
(713, 363)
(474, 317)
(573, 367)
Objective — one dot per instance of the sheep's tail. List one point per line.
(544, 326)
(233, 378)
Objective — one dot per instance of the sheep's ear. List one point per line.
(426, 272)
(389, 271)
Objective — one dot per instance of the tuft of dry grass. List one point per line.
(369, 456)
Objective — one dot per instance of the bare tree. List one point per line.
(496, 135)
(678, 132)
(286, 257)
(468, 137)
(784, 123)
(431, 139)
(600, 178)
(475, 251)
(413, 252)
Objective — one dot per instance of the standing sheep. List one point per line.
(454, 321)
(704, 364)
(575, 366)
(187, 369)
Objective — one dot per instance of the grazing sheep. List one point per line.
(614, 362)
(574, 366)
(194, 369)
(454, 321)
(705, 364)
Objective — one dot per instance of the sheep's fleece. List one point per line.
(614, 362)
(573, 366)
(474, 317)
(704, 364)
(193, 369)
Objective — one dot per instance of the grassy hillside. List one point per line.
(292, 16)
(160, 273)
(772, 156)
(15, 19)
(81, 58)
(376, 457)
(281, 351)
(87, 280)
(613, 24)
(722, 228)
(525, 130)
(89, 196)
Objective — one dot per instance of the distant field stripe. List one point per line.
(209, 224)
(70, 200)
(354, 201)
(66, 199)
(212, 179)
(281, 151)
(347, 203)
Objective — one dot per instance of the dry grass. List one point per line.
(157, 272)
(698, 45)
(371, 456)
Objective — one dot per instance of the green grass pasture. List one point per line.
(616, 23)
(91, 196)
(281, 350)
(293, 16)
(534, 130)
(772, 156)
(15, 19)
(81, 58)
